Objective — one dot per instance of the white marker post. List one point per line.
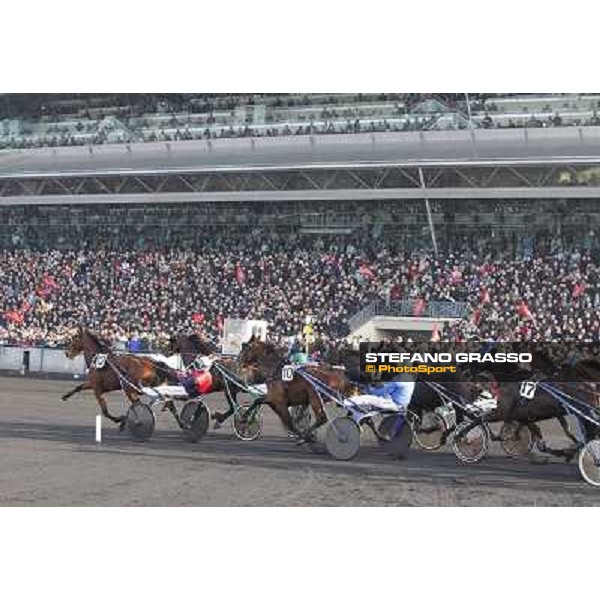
(98, 429)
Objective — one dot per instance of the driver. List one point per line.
(393, 396)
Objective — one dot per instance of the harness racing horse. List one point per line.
(192, 347)
(576, 380)
(109, 372)
(262, 362)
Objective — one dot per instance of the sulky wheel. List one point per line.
(470, 441)
(589, 462)
(429, 430)
(516, 439)
(195, 420)
(343, 438)
(140, 421)
(247, 422)
(399, 434)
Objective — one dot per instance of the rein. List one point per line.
(573, 405)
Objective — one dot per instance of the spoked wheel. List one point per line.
(140, 421)
(399, 433)
(516, 439)
(589, 462)
(429, 430)
(247, 422)
(195, 418)
(343, 438)
(470, 441)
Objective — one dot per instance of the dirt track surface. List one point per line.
(48, 456)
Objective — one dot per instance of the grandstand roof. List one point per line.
(570, 144)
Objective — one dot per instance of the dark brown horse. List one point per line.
(578, 380)
(262, 362)
(109, 372)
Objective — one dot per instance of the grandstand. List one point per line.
(486, 230)
(54, 120)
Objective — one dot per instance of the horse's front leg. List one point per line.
(565, 427)
(371, 425)
(80, 388)
(218, 417)
(320, 417)
(104, 408)
(170, 405)
(542, 446)
(280, 408)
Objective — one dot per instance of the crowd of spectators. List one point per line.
(142, 296)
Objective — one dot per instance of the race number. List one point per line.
(287, 373)
(527, 389)
(99, 361)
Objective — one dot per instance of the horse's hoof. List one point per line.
(305, 440)
(217, 425)
(64, 398)
(122, 424)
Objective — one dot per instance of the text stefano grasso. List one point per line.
(447, 357)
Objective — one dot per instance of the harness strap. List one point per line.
(229, 377)
(122, 377)
(573, 405)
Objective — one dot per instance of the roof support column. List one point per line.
(428, 209)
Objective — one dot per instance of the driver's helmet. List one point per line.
(300, 358)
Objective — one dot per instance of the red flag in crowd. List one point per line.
(15, 317)
(413, 271)
(476, 317)
(198, 318)
(366, 271)
(219, 323)
(578, 289)
(240, 275)
(523, 310)
(419, 307)
(49, 282)
(484, 296)
(435, 334)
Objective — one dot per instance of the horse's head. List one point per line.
(75, 345)
(587, 370)
(201, 345)
(257, 360)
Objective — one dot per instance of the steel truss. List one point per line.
(472, 178)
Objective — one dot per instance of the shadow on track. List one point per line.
(280, 453)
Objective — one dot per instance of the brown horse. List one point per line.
(578, 380)
(262, 362)
(124, 371)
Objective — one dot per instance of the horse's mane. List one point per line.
(589, 367)
(201, 344)
(269, 348)
(104, 344)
